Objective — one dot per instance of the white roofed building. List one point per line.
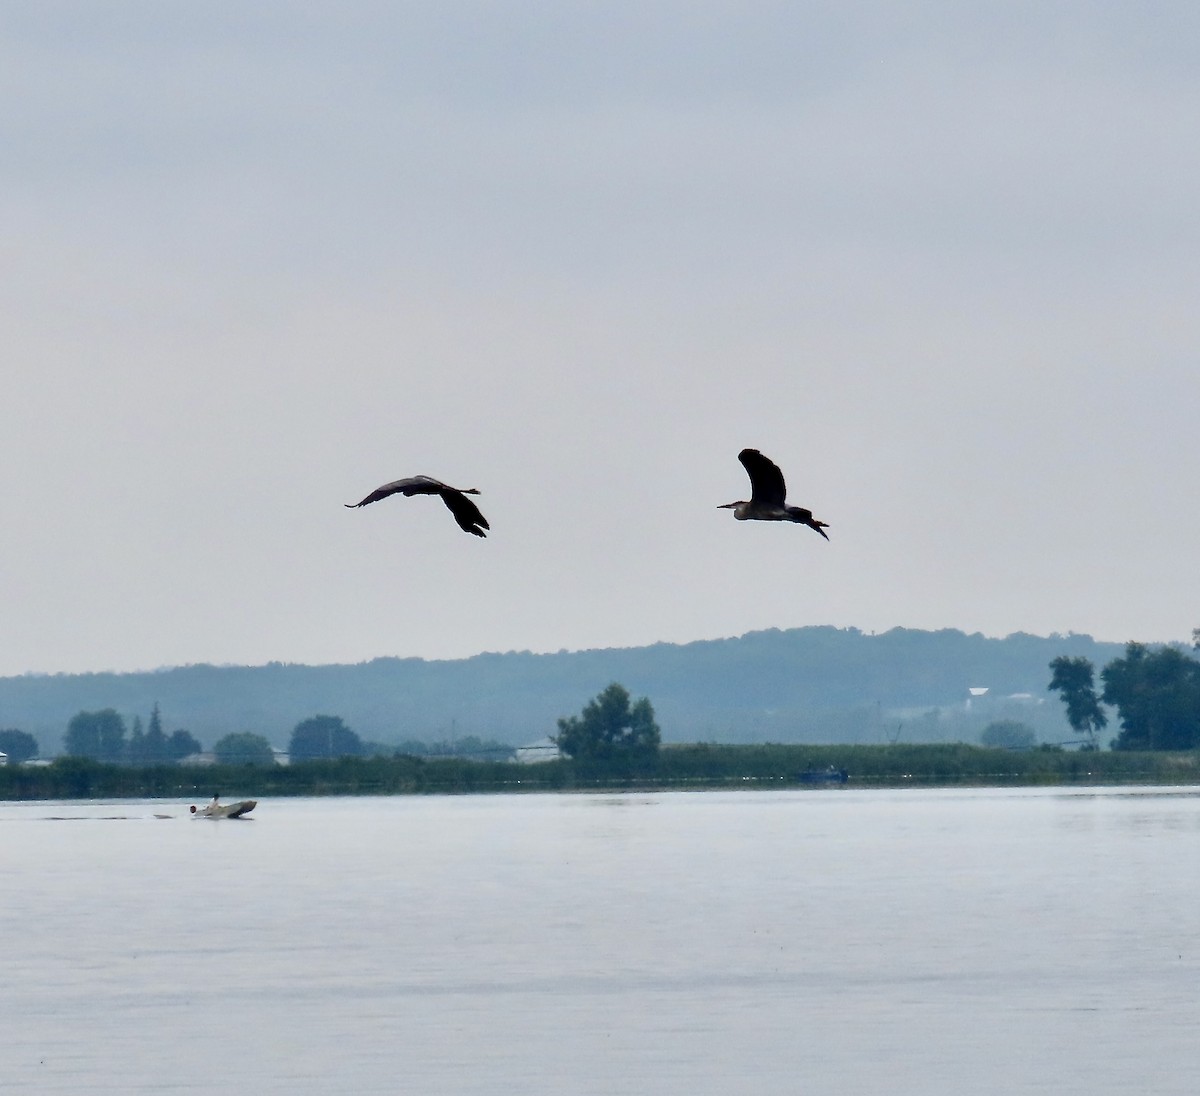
(544, 749)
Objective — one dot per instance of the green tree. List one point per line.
(19, 745)
(1074, 679)
(182, 744)
(135, 747)
(323, 736)
(99, 735)
(1157, 695)
(154, 746)
(244, 748)
(1008, 734)
(610, 728)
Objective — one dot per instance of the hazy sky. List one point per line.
(941, 261)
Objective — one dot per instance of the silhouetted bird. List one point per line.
(465, 512)
(768, 493)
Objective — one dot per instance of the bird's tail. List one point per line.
(805, 517)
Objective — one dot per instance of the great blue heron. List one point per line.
(768, 493)
(465, 512)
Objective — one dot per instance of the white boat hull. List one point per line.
(225, 810)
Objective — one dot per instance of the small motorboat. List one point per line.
(224, 810)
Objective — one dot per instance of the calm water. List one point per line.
(812, 942)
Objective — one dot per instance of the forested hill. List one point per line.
(818, 684)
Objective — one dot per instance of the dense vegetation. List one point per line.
(1074, 680)
(673, 767)
(323, 736)
(771, 686)
(816, 684)
(1008, 734)
(101, 735)
(17, 745)
(243, 748)
(610, 728)
(1156, 694)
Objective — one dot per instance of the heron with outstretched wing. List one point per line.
(465, 512)
(768, 495)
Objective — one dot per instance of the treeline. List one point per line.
(817, 684)
(18, 746)
(696, 766)
(104, 736)
(1156, 694)
(808, 685)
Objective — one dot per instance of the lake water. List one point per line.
(821, 941)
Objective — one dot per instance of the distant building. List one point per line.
(544, 749)
(992, 701)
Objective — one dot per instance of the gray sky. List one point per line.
(940, 261)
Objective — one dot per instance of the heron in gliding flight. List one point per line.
(768, 493)
(465, 512)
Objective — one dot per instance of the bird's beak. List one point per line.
(727, 506)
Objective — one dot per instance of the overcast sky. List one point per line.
(940, 261)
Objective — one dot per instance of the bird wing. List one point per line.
(465, 512)
(766, 480)
(413, 485)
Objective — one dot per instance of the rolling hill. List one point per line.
(816, 684)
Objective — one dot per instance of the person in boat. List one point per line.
(214, 803)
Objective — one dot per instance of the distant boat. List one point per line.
(823, 776)
(224, 810)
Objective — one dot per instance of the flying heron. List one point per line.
(768, 493)
(465, 512)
